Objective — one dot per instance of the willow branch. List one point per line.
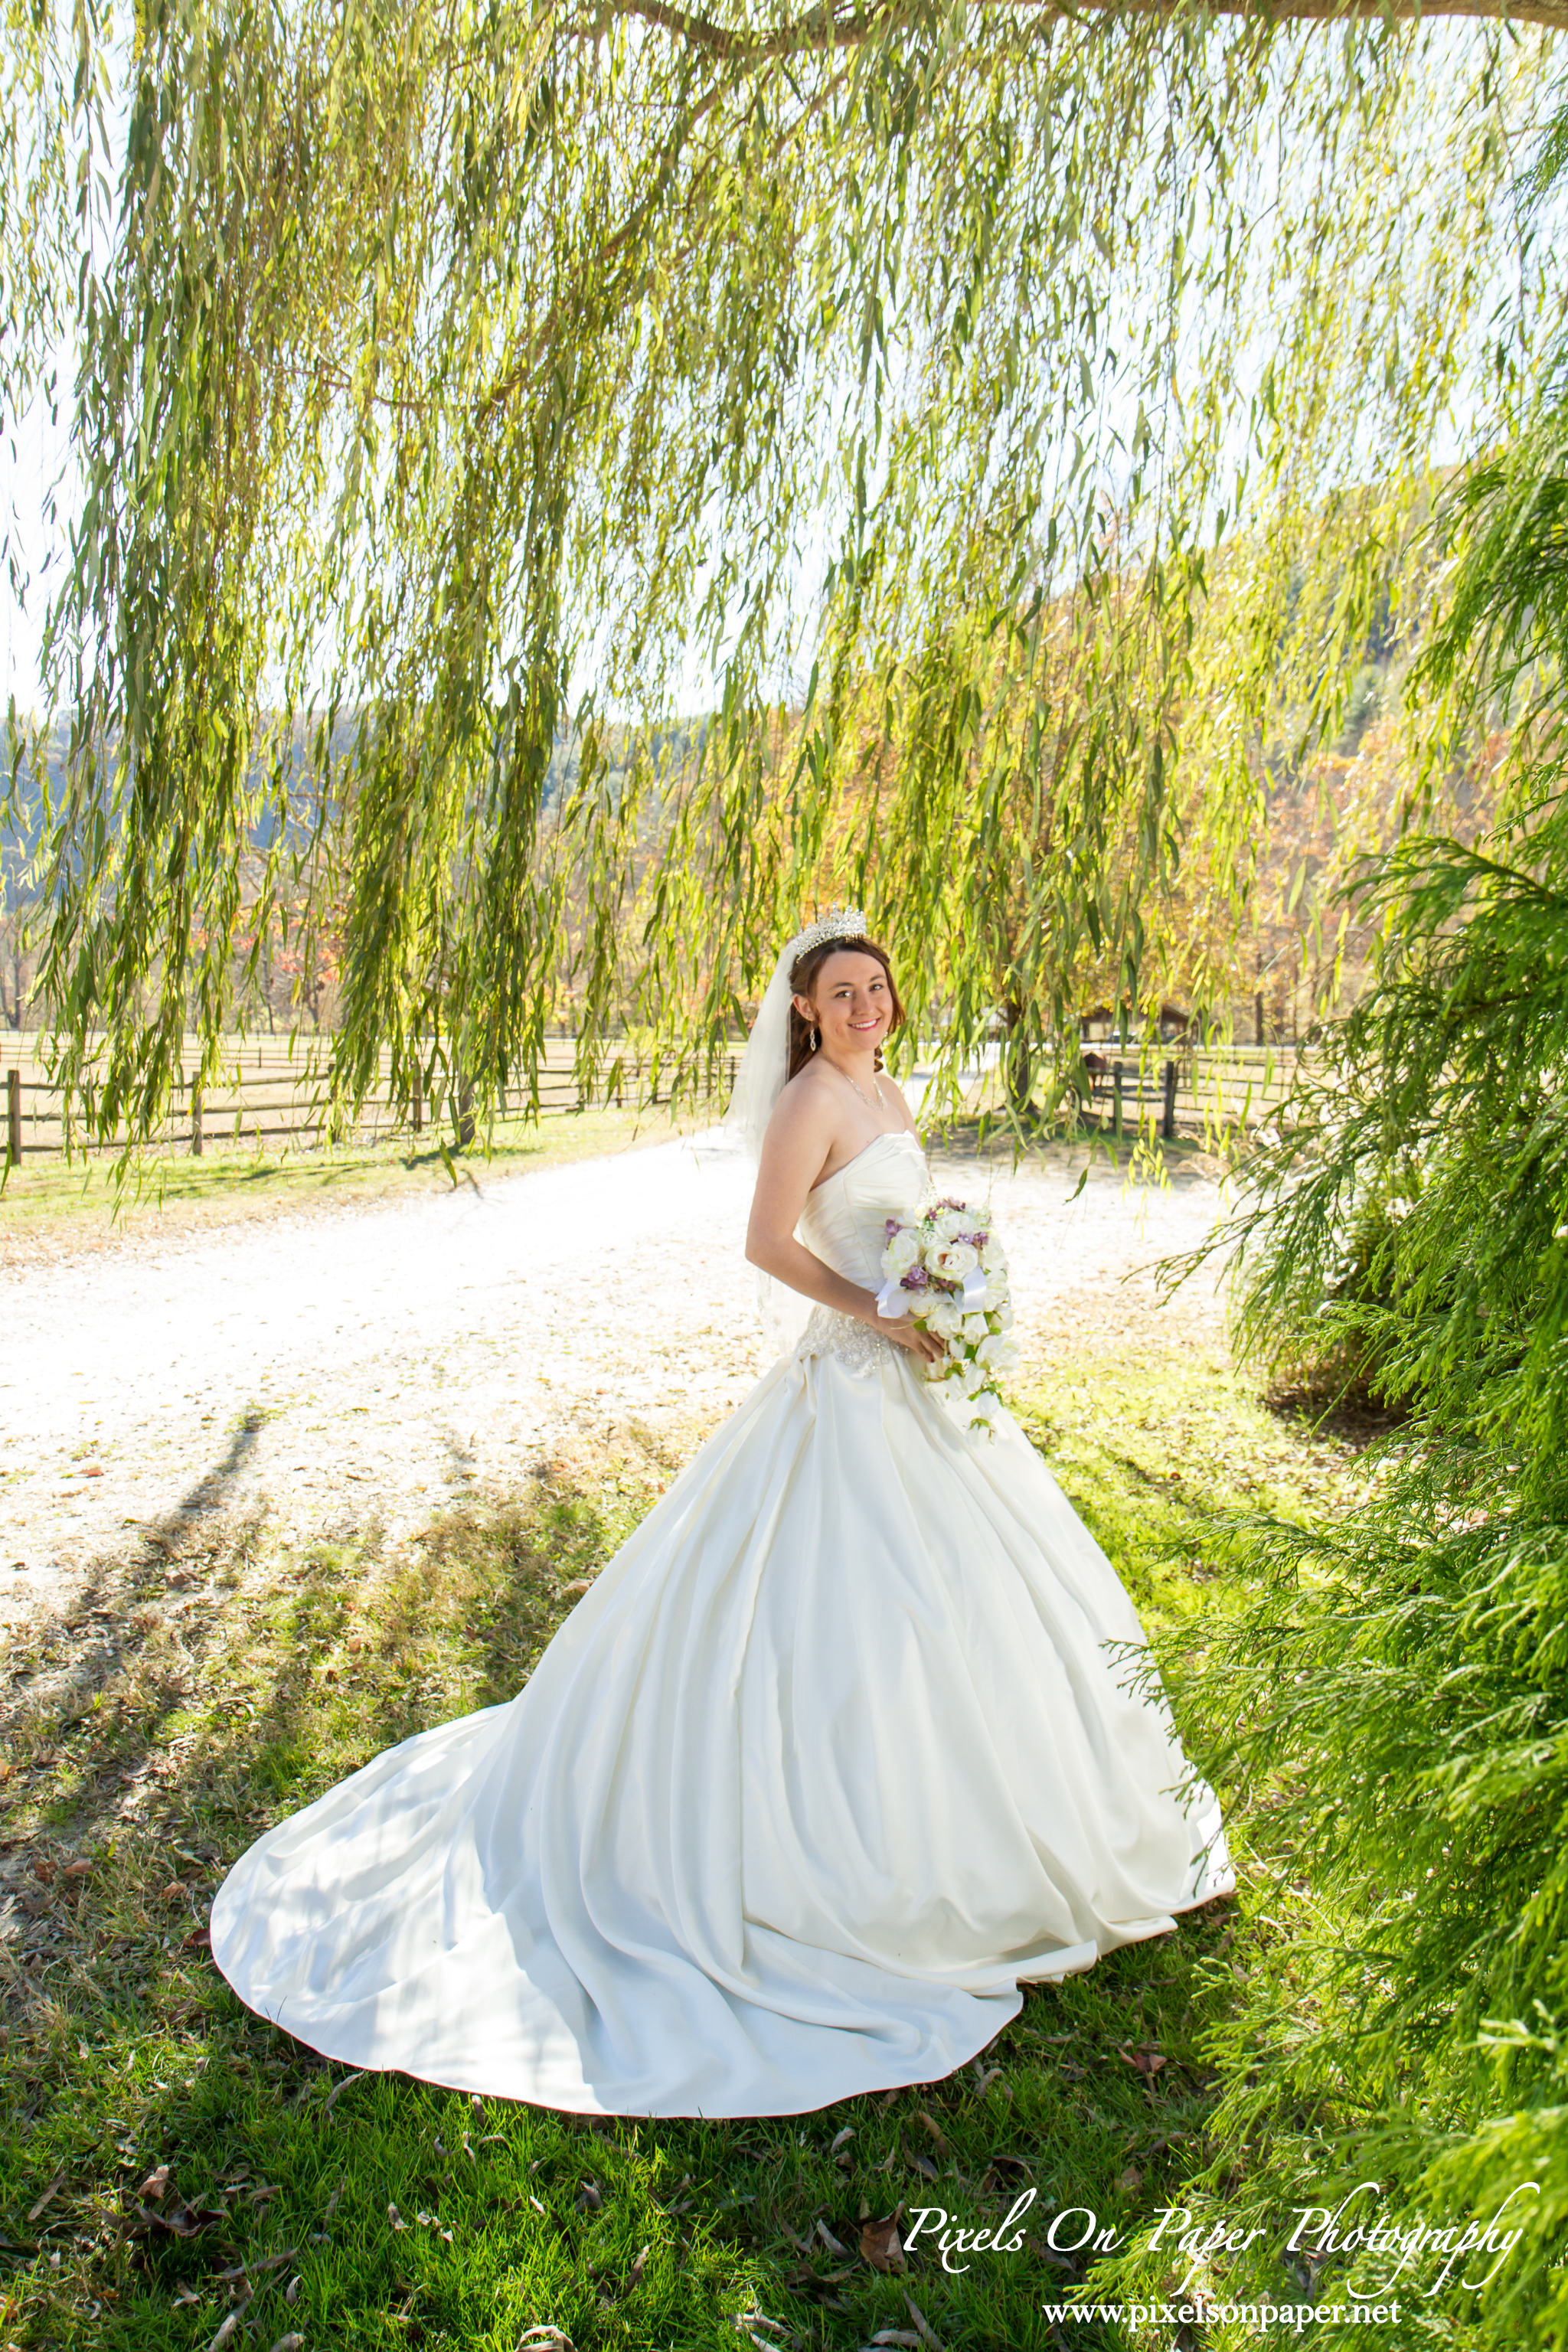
(822, 28)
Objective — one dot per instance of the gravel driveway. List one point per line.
(348, 1366)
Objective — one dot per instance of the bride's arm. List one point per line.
(797, 1142)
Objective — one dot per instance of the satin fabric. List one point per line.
(831, 1758)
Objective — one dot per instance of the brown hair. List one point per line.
(802, 979)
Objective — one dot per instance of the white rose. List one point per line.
(947, 1222)
(1002, 1316)
(953, 1260)
(998, 1283)
(944, 1320)
(1006, 1358)
(975, 1377)
(992, 1258)
(989, 1348)
(975, 1327)
(901, 1252)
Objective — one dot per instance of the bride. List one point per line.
(836, 1751)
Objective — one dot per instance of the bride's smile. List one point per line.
(837, 1751)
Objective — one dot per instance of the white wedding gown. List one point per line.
(829, 1756)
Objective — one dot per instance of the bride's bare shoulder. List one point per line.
(806, 1105)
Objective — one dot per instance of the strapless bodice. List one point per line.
(844, 1218)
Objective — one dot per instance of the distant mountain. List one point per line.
(22, 821)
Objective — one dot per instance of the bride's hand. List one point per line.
(905, 1332)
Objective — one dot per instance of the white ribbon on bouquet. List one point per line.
(974, 1289)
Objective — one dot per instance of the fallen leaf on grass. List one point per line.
(830, 2241)
(1130, 2182)
(807, 2282)
(34, 2210)
(289, 2344)
(230, 2327)
(881, 2244)
(254, 2270)
(1148, 2062)
(551, 2335)
(1005, 2172)
(588, 2200)
(155, 2183)
(923, 2165)
(922, 2118)
(634, 2276)
(181, 2220)
(897, 2335)
(43, 1868)
(839, 2138)
(927, 2333)
(396, 2218)
(198, 1941)
(346, 2085)
(76, 1869)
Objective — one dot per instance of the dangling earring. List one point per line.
(815, 1039)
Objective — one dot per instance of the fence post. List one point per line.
(13, 1118)
(1168, 1122)
(1116, 1087)
(195, 1122)
(465, 1113)
(418, 1099)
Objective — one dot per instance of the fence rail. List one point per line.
(265, 1098)
(1206, 1090)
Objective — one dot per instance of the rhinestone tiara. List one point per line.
(842, 923)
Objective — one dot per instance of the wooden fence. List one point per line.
(267, 1098)
(1206, 1090)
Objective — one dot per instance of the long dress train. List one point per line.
(831, 1758)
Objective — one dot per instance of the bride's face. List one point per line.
(853, 1005)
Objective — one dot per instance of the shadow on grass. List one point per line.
(143, 1759)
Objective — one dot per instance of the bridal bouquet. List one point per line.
(949, 1272)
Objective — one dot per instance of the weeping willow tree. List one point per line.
(1396, 1683)
(1029, 402)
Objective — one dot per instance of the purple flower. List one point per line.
(917, 1278)
(892, 1226)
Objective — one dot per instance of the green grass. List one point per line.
(154, 1754)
